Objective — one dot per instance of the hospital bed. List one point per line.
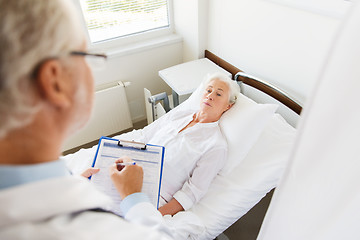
(259, 143)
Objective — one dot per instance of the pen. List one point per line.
(120, 166)
(125, 163)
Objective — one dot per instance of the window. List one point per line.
(114, 19)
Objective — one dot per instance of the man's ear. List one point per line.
(51, 82)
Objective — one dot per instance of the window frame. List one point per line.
(110, 45)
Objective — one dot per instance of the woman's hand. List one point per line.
(127, 181)
(171, 208)
(89, 172)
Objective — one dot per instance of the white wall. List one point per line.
(191, 22)
(283, 45)
(141, 69)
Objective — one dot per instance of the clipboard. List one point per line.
(149, 157)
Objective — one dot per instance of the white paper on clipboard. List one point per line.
(150, 159)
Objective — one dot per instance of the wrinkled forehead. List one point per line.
(218, 84)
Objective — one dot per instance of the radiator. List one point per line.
(110, 115)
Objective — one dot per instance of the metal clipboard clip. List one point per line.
(133, 144)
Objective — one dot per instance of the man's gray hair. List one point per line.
(31, 31)
(233, 86)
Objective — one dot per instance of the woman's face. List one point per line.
(215, 100)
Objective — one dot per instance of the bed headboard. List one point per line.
(256, 83)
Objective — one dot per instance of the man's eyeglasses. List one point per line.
(95, 61)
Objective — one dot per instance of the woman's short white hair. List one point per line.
(233, 86)
(30, 32)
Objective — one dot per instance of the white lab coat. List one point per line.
(54, 209)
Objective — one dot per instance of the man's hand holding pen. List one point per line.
(126, 176)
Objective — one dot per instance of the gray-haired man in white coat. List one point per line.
(46, 92)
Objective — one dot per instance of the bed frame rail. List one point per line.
(254, 82)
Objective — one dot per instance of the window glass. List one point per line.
(111, 19)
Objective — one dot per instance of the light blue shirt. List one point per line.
(14, 175)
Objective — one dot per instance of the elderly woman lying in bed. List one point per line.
(195, 149)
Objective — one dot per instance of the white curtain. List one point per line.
(319, 196)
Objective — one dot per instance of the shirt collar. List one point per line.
(13, 175)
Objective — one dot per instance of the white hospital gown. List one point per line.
(193, 157)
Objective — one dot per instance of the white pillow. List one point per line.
(241, 124)
(231, 196)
